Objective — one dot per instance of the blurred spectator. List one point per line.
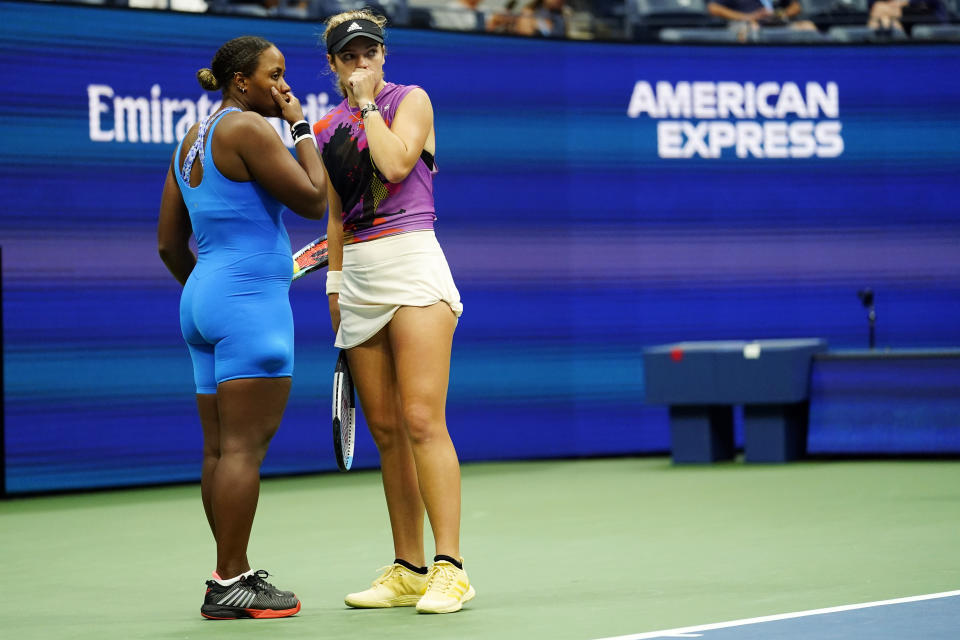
(253, 7)
(259, 8)
(547, 18)
(746, 16)
(195, 6)
(459, 15)
(887, 15)
(504, 20)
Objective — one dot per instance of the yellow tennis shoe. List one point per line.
(447, 590)
(397, 586)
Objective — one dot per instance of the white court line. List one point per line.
(686, 632)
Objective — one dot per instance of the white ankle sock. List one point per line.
(227, 583)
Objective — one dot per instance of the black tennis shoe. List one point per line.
(249, 597)
(260, 576)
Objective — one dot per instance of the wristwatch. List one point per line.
(367, 108)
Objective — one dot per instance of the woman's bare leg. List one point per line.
(210, 423)
(420, 339)
(372, 367)
(250, 410)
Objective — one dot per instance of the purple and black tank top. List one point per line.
(372, 207)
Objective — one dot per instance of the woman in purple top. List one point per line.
(394, 307)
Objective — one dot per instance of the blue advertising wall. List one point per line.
(593, 199)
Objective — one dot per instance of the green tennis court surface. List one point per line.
(561, 550)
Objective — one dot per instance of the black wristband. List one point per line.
(300, 129)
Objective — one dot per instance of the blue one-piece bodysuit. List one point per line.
(235, 308)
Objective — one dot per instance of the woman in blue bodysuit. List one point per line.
(229, 180)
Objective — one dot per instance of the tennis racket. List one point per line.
(344, 413)
(310, 258)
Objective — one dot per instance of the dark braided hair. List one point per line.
(240, 54)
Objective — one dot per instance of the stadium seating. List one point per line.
(841, 21)
(936, 32)
(828, 13)
(863, 34)
(699, 35)
(649, 17)
(786, 35)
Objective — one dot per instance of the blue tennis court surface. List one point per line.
(934, 616)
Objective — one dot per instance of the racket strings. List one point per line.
(346, 418)
(344, 413)
(310, 258)
(304, 260)
(347, 441)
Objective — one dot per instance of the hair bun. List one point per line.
(207, 80)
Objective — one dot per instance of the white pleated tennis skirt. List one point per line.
(382, 275)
